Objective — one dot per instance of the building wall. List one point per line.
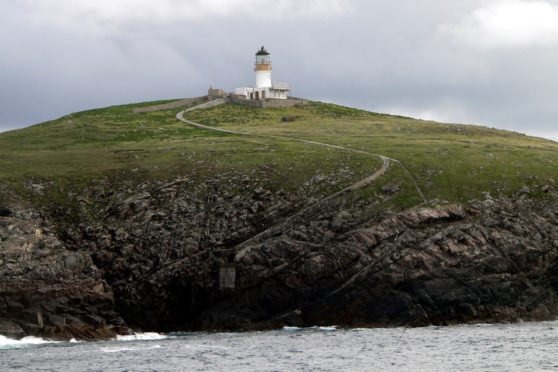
(277, 94)
(243, 91)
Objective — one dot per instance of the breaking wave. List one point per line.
(10, 343)
(141, 337)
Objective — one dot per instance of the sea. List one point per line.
(484, 347)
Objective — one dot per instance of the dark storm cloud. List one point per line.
(472, 61)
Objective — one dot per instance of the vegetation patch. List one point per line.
(449, 162)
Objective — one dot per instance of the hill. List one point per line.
(234, 217)
(450, 162)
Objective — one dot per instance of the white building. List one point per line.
(265, 88)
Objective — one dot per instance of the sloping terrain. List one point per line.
(111, 217)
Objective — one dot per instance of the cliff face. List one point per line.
(230, 254)
(47, 290)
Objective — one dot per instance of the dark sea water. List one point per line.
(515, 347)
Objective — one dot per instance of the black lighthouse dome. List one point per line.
(262, 52)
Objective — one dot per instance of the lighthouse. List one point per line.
(263, 69)
(265, 88)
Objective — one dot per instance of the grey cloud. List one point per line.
(384, 56)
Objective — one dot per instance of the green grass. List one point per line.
(450, 162)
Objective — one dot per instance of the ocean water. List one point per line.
(513, 347)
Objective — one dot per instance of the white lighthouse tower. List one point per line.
(265, 88)
(263, 69)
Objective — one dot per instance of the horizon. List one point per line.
(483, 62)
(547, 137)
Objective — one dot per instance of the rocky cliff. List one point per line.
(230, 254)
(48, 290)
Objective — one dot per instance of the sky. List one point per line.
(487, 62)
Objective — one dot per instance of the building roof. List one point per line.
(262, 52)
(280, 86)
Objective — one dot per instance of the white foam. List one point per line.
(141, 337)
(124, 349)
(9, 343)
(291, 329)
(328, 329)
(316, 328)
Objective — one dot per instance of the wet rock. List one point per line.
(11, 329)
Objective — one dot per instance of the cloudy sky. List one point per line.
(490, 62)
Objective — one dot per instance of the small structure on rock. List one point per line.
(227, 277)
(215, 93)
(265, 87)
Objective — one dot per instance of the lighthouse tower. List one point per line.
(265, 88)
(263, 69)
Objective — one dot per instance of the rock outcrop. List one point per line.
(234, 255)
(48, 290)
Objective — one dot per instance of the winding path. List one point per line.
(359, 185)
(287, 223)
(280, 227)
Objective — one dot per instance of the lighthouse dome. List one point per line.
(262, 52)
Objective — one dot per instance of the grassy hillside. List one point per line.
(449, 162)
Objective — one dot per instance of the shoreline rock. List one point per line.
(47, 290)
(178, 257)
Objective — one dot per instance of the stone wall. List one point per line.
(243, 101)
(269, 103)
(283, 102)
(215, 93)
(170, 105)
